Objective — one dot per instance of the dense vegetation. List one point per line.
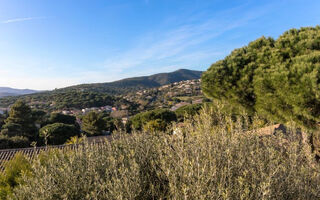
(278, 79)
(188, 110)
(166, 96)
(157, 120)
(216, 159)
(62, 100)
(95, 123)
(143, 82)
(11, 177)
(57, 133)
(19, 127)
(24, 127)
(98, 94)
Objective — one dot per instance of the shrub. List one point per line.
(75, 140)
(11, 177)
(139, 120)
(13, 142)
(157, 125)
(215, 158)
(188, 110)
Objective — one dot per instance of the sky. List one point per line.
(47, 44)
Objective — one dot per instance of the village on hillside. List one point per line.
(170, 96)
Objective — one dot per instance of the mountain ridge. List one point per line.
(8, 91)
(155, 80)
(116, 88)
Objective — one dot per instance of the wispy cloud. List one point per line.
(20, 19)
(193, 42)
(183, 46)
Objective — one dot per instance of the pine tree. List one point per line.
(93, 123)
(278, 79)
(20, 122)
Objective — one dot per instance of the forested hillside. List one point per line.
(87, 94)
(125, 85)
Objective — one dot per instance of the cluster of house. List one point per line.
(182, 84)
(99, 109)
(87, 110)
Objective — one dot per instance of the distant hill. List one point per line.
(90, 94)
(155, 80)
(158, 79)
(6, 91)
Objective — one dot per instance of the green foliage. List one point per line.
(155, 126)
(98, 94)
(61, 118)
(20, 113)
(20, 122)
(12, 129)
(82, 100)
(165, 96)
(278, 79)
(39, 116)
(216, 159)
(13, 142)
(62, 99)
(188, 110)
(75, 140)
(58, 133)
(140, 120)
(93, 123)
(2, 119)
(11, 177)
(143, 82)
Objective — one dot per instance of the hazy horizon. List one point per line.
(53, 44)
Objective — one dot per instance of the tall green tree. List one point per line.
(61, 118)
(20, 122)
(162, 115)
(39, 116)
(58, 133)
(93, 123)
(278, 79)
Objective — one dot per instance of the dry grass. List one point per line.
(213, 158)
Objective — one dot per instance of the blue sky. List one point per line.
(46, 44)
